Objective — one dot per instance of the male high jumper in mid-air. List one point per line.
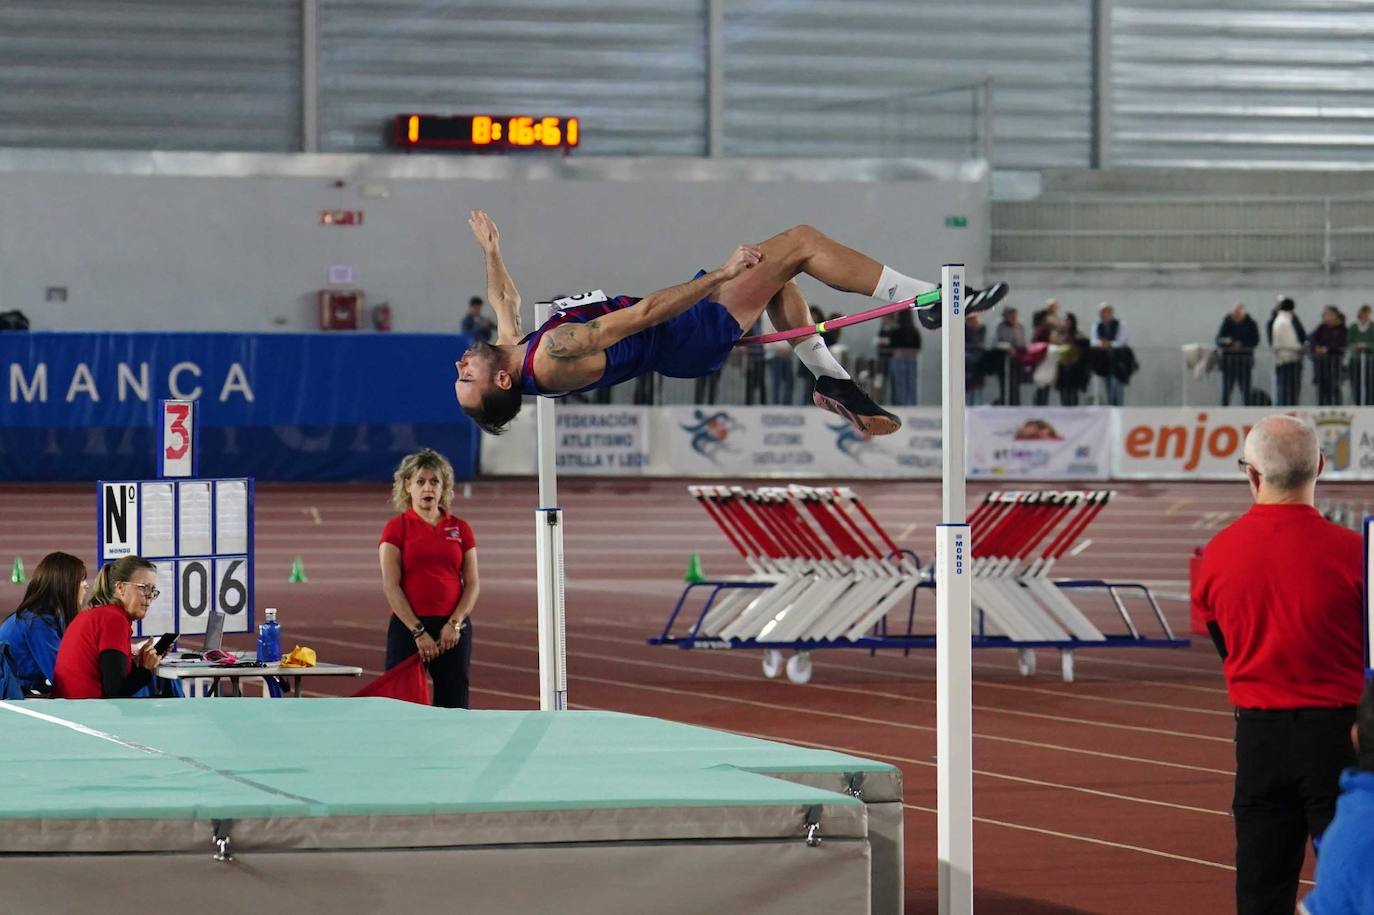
(594, 340)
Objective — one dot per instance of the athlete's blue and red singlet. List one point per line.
(693, 344)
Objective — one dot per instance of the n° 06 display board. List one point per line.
(199, 533)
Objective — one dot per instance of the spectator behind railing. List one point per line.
(1071, 380)
(1115, 361)
(905, 341)
(1287, 338)
(1047, 315)
(480, 328)
(1237, 341)
(1043, 367)
(1360, 336)
(1010, 339)
(1328, 356)
(975, 359)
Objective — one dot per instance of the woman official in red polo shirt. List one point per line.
(94, 660)
(429, 577)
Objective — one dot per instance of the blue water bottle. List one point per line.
(269, 638)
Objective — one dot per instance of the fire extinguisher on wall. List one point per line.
(381, 316)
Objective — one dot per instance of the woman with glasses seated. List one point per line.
(95, 660)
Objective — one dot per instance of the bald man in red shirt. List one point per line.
(1282, 591)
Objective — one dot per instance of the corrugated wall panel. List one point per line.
(634, 72)
(1259, 83)
(150, 74)
(797, 74)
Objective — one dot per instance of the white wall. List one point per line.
(156, 241)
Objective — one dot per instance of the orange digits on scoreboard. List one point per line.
(520, 131)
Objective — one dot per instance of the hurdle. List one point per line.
(824, 573)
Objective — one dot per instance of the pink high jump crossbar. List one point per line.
(926, 298)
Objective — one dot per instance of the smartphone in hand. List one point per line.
(164, 643)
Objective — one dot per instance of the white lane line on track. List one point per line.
(1090, 840)
(905, 676)
(877, 694)
(930, 660)
(824, 714)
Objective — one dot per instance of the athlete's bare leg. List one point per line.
(801, 249)
(788, 309)
(835, 391)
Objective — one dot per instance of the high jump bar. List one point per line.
(548, 538)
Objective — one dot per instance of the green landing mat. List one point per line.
(247, 758)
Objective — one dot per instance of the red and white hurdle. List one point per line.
(824, 573)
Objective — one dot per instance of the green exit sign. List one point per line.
(956, 222)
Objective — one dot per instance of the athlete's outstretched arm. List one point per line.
(501, 291)
(576, 341)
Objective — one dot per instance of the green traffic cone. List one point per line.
(297, 572)
(17, 571)
(694, 572)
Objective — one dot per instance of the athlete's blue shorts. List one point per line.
(697, 342)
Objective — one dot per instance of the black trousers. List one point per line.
(1288, 766)
(1236, 371)
(1289, 379)
(449, 671)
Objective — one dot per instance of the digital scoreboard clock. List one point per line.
(496, 132)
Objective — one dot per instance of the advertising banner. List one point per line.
(800, 442)
(712, 441)
(1039, 443)
(84, 406)
(1182, 443)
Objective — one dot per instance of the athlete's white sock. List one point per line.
(815, 355)
(896, 287)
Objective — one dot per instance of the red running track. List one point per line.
(1110, 794)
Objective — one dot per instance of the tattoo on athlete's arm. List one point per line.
(573, 341)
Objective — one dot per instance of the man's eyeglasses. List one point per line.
(1245, 466)
(149, 591)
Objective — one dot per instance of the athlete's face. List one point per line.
(475, 374)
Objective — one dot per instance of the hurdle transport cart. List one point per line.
(824, 574)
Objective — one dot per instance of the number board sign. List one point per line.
(178, 441)
(200, 535)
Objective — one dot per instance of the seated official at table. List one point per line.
(95, 660)
(34, 630)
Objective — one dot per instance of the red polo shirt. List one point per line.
(76, 673)
(431, 559)
(1286, 587)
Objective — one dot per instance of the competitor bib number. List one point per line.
(581, 298)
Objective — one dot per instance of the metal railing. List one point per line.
(1265, 377)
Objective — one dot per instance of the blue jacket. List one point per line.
(33, 639)
(1345, 876)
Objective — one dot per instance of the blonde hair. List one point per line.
(103, 589)
(411, 464)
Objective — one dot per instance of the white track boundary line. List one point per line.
(1061, 694)
(991, 710)
(878, 694)
(810, 711)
